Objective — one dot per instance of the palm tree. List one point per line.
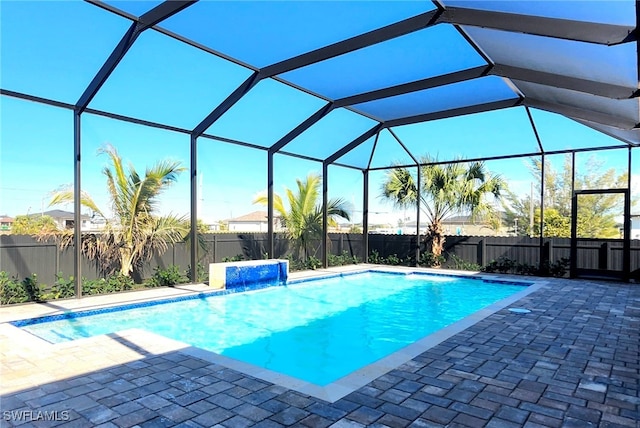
(136, 232)
(445, 190)
(303, 220)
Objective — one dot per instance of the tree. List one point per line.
(445, 190)
(596, 213)
(33, 225)
(303, 219)
(136, 232)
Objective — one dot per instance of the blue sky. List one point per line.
(166, 81)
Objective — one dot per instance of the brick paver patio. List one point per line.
(572, 362)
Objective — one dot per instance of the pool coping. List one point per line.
(347, 384)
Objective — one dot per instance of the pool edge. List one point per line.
(361, 377)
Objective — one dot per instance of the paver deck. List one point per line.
(573, 361)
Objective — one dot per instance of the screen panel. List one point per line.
(359, 157)
(622, 113)
(620, 12)
(141, 147)
(36, 160)
(389, 152)
(448, 97)
(167, 81)
(230, 177)
(345, 185)
(137, 8)
(495, 133)
(266, 114)
(610, 64)
(631, 136)
(604, 169)
(263, 33)
(54, 49)
(415, 56)
(561, 133)
(329, 135)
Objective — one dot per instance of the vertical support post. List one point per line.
(418, 189)
(325, 222)
(270, 228)
(541, 243)
(77, 206)
(573, 255)
(193, 232)
(573, 172)
(365, 214)
(626, 242)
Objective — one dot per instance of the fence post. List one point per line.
(57, 258)
(604, 256)
(215, 248)
(482, 252)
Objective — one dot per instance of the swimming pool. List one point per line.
(317, 330)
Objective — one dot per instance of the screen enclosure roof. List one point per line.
(359, 84)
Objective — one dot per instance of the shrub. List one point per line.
(236, 258)
(458, 263)
(61, 289)
(502, 265)
(375, 258)
(392, 260)
(114, 283)
(202, 272)
(32, 288)
(559, 268)
(294, 264)
(312, 263)
(11, 290)
(506, 265)
(166, 277)
(430, 260)
(526, 269)
(343, 259)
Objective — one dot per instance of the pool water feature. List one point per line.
(317, 330)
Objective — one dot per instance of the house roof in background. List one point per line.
(252, 217)
(59, 214)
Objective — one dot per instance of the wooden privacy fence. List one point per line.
(22, 256)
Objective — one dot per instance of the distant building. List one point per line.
(65, 219)
(253, 222)
(456, 226)
(5, 222)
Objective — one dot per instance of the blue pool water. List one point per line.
(317, 331)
